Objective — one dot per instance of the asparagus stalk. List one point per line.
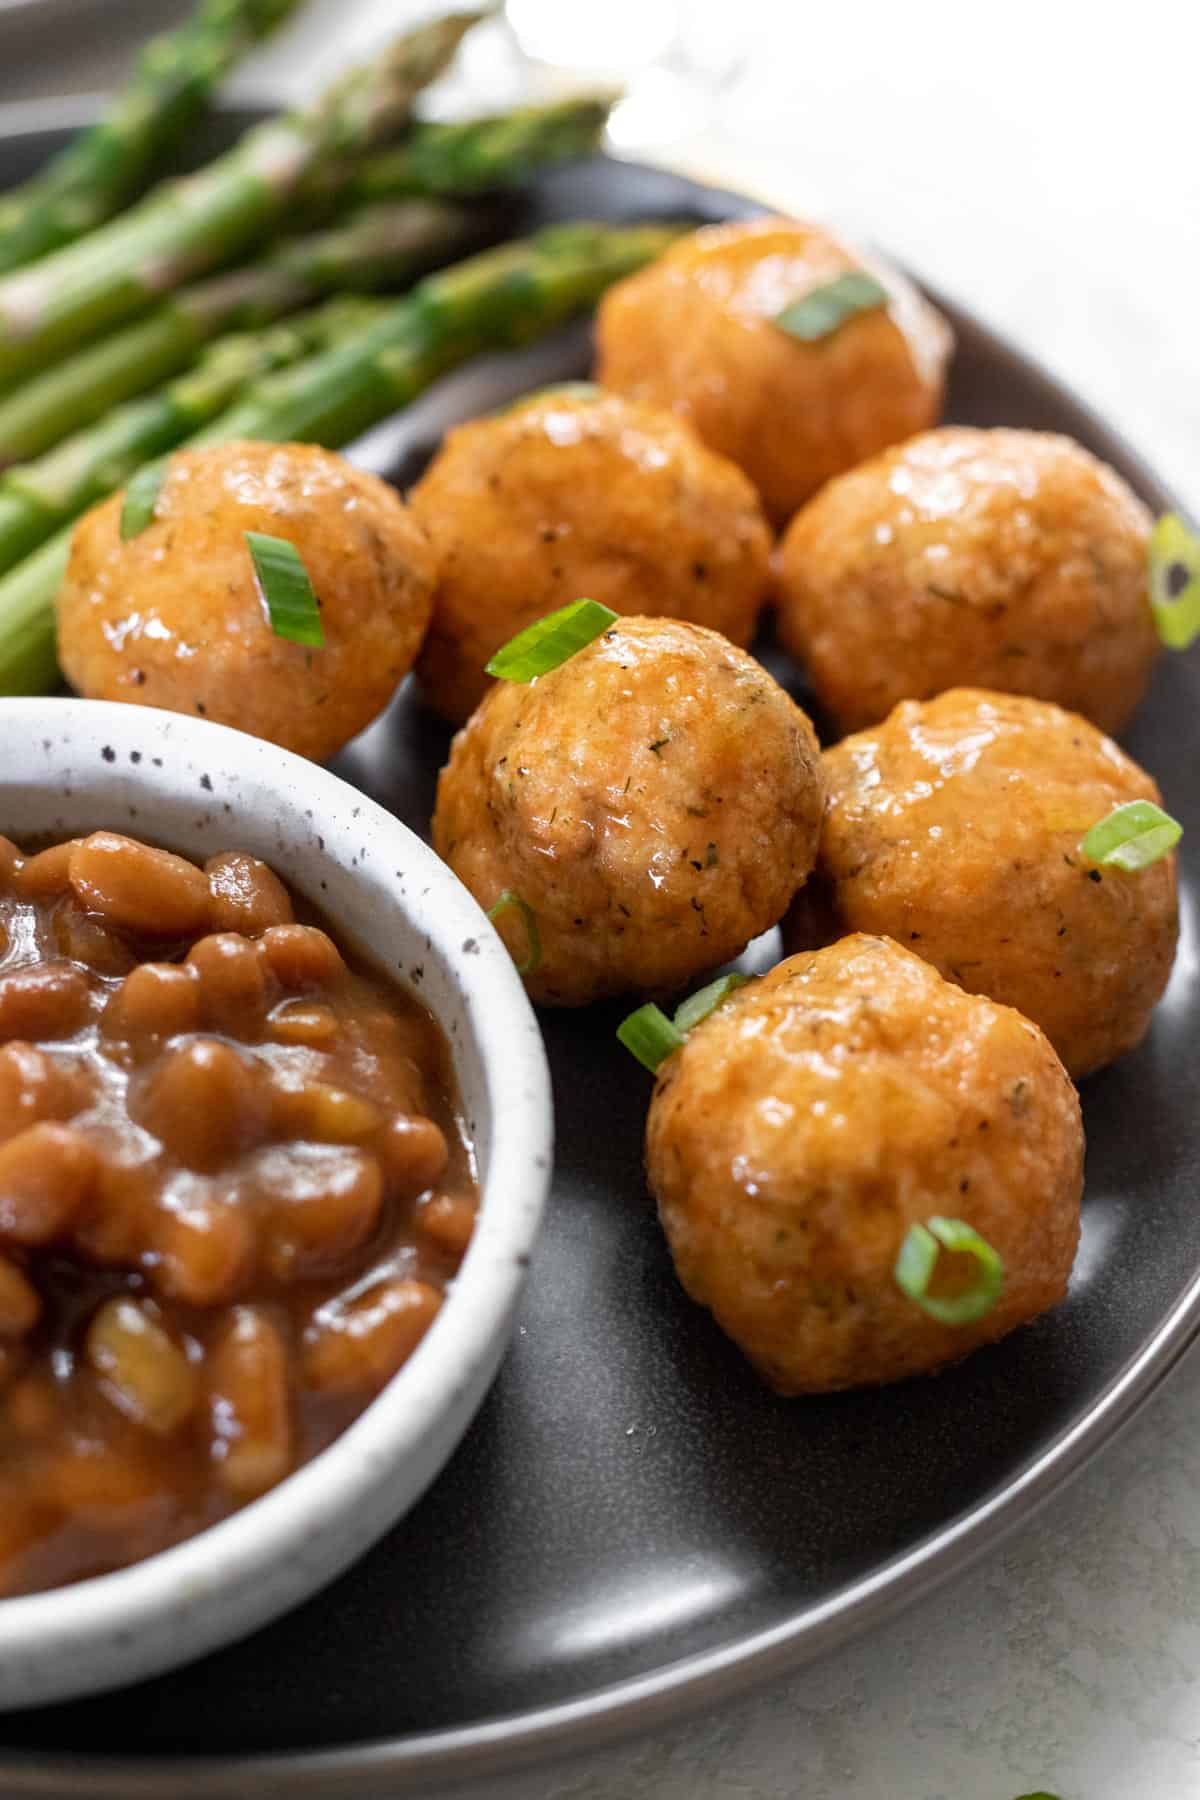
(492, 301)
(188, 226)
(39, 497)
(474, 156)
(380, 246)
(172, 82)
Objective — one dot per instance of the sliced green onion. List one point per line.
(1175, 582)
(1132, 836)
(141, 498)
(559, 390)
(510, 902)
(914, 1266)
(551, 641)
(818, 313)
(650, 1036)
(698, 1006)
(1040, 1795)
(287, 593)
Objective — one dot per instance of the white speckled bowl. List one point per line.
(70, 766)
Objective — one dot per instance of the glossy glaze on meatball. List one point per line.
(955, 827)
(695, 332)
(1012, 560)
(173, 616)
(807, 1124)
(564, 497)
(655, 801)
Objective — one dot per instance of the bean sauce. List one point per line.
(234, 1188)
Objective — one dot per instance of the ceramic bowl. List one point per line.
(72, 766)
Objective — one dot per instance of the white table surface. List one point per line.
(1039, 161)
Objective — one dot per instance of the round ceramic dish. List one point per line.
(72, 766)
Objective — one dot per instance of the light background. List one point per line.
(1041, 162)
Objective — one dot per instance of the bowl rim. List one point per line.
(497, 1020)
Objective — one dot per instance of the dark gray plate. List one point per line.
(634, 1525)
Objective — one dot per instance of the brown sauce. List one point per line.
(234, 1187)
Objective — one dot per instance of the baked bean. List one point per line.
(34, 1087)
(142, 1369)
(246, 895)
(300, 956)
(20, 1302)
(12, 1361)
(205, 1251)
(11, 862)
(47, 874)
(447, 1220)
(139, 889)
(84, 939)
(204, 1103)
(413, 1152)
(233, 984)
(303, 1022)
(248, 1397)
(114, 1227)
(92, 1481)
(46, 1173)
(49, 1000)
(155, 1001)
(362, 1344)
(319, 1202)
(325, 1114)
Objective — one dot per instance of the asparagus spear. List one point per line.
(192, 225)
(39, 497)
(380, 246)
(493, 301)
(173, 80)
(474, 156)
(500, 298)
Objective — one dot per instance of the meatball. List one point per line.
(567, 496)
(654, 803)
(1000, 559)
(173, 616)
(696, 332)
(955, 827)
(806, 1125)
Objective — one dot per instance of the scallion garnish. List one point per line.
(551, 641)
(1175, 582)
(141, 498)
(287, 593)
(558, 390)
(1132, 836)
(818, 313)
(510, 902)
(698, 1006)
(649, 1035)
(914, 1267)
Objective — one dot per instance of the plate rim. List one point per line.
(511, 1741)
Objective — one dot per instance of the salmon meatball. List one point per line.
(652, 804)
(955, 827)
(696, 332)
(1000, 559)
(572, 494)
(823, 1111)
(173, 616)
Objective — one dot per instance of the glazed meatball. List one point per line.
(654, 803)
(1000, 559)
(173, 616)
(955, 827)
(696, 332)
(567, 496)
(806, 1125)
